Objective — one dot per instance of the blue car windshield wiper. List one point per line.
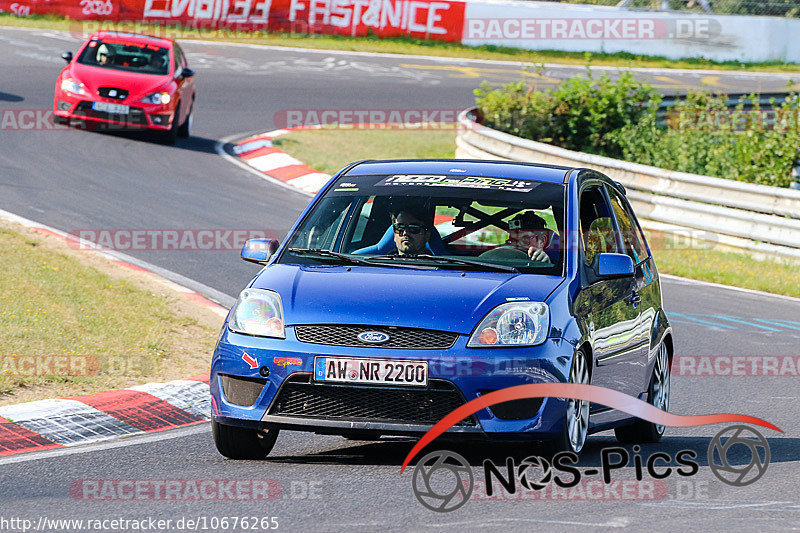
(449, 260)
(349, 259)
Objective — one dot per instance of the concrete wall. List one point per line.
(582, 28)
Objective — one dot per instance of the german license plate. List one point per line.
(117, 109)
(367, 370)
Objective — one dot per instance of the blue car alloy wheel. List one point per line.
(408, 288)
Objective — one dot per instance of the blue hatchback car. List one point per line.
(407, 288)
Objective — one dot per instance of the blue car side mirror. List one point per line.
(259, 250)
(613, 266)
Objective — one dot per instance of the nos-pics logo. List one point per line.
(443, 481)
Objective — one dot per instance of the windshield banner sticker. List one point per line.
(467, 182)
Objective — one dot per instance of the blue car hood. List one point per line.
(432, 299)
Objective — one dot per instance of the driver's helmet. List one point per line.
(105, 50)
(528, 229)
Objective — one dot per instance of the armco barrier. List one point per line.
(756, 218)
(521, 24)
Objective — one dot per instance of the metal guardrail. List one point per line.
(756, 218)
(732, 100)
(765, 101)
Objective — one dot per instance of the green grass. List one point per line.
(329, 150)
(115, 333)
(400, 46)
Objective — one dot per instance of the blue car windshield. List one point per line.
(446, 222)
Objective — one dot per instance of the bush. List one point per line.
(620, 119)
(705, 137)
(580, 114)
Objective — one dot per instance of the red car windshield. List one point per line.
(129, 56)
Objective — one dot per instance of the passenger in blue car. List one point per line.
(412, 229)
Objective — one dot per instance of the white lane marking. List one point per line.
(214, 295)
(276, 133)
(311, 182)
(66, 422)
(443, 59)
(40, 57)
(252, 145)
(729, 287)
(719, 506)
(268, 162)
(219, 147)
(620, 521)
(133, 440)
(56, 35)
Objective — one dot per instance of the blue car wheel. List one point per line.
(657, 395)
(576, 419)
(236, 442)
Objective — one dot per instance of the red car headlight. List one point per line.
(157, 98)
(71, 86)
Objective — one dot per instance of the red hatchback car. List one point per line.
(128, 80)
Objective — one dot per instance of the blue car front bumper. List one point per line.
(469, 372)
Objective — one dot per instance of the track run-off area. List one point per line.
(73, 180)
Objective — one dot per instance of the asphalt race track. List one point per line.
(83, 180)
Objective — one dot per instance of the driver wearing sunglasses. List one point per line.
(411, 231)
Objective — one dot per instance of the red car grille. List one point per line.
(135, 116)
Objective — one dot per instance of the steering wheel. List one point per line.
(506, 253)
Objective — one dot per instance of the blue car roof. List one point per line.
(467, 167)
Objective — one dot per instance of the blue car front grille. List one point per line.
(300, 397)
(399, 338)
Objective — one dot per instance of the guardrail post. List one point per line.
(795, 184)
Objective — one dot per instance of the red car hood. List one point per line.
(138, 85)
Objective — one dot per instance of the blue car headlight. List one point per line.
(258, 312)
(512, 324)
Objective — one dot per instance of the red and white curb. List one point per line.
(47, 424)
(152, 407)
(259, 153)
